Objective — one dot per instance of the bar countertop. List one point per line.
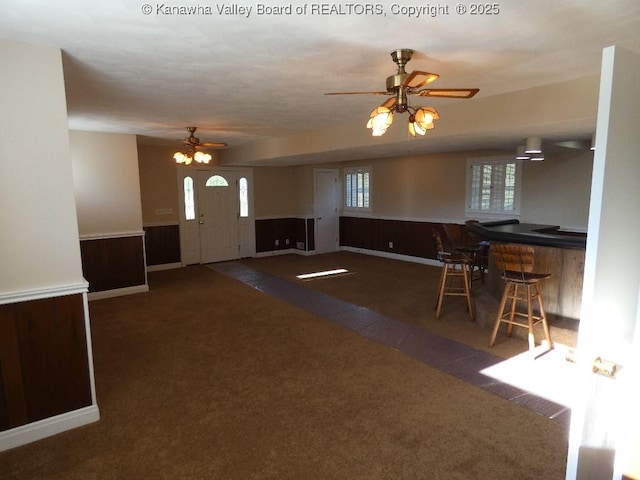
(512, 231)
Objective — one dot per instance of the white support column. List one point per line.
(601, 413)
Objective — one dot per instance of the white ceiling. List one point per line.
(243, 79)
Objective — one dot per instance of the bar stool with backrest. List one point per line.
(455, 276)
(481, 250)
(453, 236)
(522, 286)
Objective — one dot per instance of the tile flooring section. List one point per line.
(456, 359)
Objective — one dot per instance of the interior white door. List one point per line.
(218, 216)
(326, 210)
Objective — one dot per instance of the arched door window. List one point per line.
(217, 181)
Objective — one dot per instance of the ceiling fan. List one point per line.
(193, 146)
(400, 86)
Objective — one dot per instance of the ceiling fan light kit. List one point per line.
(192, 145)
(399, 87)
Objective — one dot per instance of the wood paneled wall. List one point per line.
(401, 237)
(112, 263)
(293, 230)
(44, 369)
(162, 244)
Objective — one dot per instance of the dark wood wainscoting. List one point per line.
(43, 358)
(275, 234)
(162, 244)
(111, 263)
(403, 237)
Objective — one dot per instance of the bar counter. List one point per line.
(512, 231)
(557, 252)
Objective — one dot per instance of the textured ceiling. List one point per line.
(244, 75)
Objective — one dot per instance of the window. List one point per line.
(357, 188)
(189, 203)
(217, 181)
(493, 186)
(243, 191)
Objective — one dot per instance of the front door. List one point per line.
(216, 219)
(218, 216)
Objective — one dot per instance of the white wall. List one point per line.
(106, 180)
(39, 247)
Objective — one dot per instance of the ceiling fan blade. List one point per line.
(359, 93)
(418, 79)
(390, 103)
(448, 92)
(212, 145)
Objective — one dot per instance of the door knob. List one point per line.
(201, 222)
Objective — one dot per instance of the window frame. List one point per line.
(367, 196)
(492, 212)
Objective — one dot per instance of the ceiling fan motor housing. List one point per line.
(395, 82)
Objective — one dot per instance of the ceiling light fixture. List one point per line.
(533, 145)
(420, 119)
(521, 155)
(190, 156)
(531, 150)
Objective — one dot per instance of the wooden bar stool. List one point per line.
(521, 286)
(455, 269)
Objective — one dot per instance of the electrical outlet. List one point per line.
(390, 244)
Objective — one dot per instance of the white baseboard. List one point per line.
(364, 251)
(273, 253)
(118, 292)
(164, 266)
(394, 256)
(49, 426)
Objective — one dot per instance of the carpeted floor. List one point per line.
(206, 378)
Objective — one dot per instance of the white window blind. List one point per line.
(357, 188)
(493, 186)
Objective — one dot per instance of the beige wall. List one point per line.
(433, 187)
(274, 194)
(107, 189)
(39, 246)
(158, 185)
(425, 187)
(557, 191)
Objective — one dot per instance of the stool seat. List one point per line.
(526, 277)
(522, 286)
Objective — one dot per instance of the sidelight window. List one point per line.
(243, 191)
(189, 199)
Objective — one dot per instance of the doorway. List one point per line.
(216, 214)
(326, 196)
